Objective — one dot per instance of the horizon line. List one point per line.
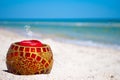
(63, 19)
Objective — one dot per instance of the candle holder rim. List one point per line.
(44, 45)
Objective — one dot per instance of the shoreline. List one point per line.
(71, 62)
(64, 40)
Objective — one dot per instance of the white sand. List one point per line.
(71, 62)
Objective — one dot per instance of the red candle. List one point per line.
(32, 43)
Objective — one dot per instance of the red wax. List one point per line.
(31, 43)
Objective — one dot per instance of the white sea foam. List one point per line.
(88, 43)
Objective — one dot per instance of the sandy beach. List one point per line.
(71, 62)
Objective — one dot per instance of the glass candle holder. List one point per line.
(29, 57)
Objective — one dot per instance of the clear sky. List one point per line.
(60, 9)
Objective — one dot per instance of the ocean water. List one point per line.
(100, 33)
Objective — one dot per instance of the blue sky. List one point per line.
(60, 9)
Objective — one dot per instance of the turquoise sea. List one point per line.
(87, 32)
